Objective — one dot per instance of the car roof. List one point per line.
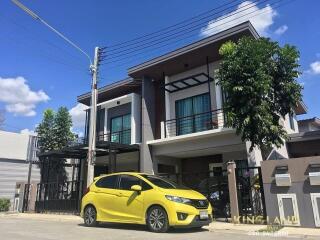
(121, 173)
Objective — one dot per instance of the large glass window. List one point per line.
(291, 120)
(193, 114)
(121, 129)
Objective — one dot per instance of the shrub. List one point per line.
(4, 204)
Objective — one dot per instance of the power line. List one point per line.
(163, 30)
(136, 53)
(185, 31)
(127, 62)
(180, 32)
(40, 39)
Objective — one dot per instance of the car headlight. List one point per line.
(178, 199)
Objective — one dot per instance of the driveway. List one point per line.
(45, 227)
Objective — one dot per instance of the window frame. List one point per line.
(192, 116)
(122, 128)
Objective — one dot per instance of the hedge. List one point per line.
(4, 204)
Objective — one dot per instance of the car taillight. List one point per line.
(86, 191)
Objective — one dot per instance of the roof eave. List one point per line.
(196, 45)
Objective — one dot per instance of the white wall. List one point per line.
(286, 124)
(14, 145)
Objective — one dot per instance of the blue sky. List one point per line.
(39, 70)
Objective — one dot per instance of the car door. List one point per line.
(106, 189)
(131, 201)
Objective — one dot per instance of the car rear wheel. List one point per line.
(90, 216)
(157, 219)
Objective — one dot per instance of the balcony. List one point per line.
(192, 124)
(123, 137)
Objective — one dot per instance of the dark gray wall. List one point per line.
(117, 111)
(148, 121)
(299, 169)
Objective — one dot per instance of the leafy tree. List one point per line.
(62, 128)
(54, 133)
(259, 80)
(45, 131)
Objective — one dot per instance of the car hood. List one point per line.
(185, 193)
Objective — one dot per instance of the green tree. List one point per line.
(62, 128)
(45, 131)
(259, 81)
(54, 133)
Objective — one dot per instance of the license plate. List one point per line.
(204, 215)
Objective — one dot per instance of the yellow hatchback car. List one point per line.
(144, 199)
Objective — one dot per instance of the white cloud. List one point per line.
(78, 115)
(315, 67)
(27, 131)
(261, 19)
(19, 99)
(281, 30)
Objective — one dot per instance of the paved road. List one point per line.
(15, 228)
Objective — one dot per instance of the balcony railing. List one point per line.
(123, 137)
(193, 123)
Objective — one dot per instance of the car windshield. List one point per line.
(163, 183)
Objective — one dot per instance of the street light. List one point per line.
(94, 72)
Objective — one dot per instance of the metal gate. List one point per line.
(59, 197)
(212, 184)
(250, 192)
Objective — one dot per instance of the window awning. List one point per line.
(188, 82)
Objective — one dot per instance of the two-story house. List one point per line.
(171, 108)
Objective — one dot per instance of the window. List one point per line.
(108, 182)
(121, 129)
(193, 114)
(128, 181)
(291, 120)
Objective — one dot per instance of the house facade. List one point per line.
(171, 108)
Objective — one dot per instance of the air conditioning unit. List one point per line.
(283, 179)
(314, 178)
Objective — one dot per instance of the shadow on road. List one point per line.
(137, 227)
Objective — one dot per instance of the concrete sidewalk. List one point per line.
(250, 228)
(219, 227)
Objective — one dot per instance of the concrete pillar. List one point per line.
(135, 118)
(220, 117)
(148, 120)
(232, 183)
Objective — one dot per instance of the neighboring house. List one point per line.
(306, 142)
(307, 125)
(171, 107)
(16, 150)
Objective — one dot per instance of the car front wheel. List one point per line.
(90, 216)
(157, 219)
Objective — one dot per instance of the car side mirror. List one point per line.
(136, 188)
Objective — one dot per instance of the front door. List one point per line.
(130, 202)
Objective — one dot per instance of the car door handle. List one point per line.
(119, 194)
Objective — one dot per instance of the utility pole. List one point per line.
(93, 118)
(98, 56)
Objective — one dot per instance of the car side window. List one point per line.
(108, 182)
(127, 181)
